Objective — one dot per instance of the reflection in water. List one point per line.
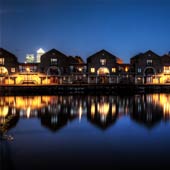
(147, 110)
(102, 110)
(8, 119)
(55, 112)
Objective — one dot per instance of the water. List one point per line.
(76, 132)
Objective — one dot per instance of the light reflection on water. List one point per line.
(135, 131)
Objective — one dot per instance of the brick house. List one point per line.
(165, 76)
(61, 68)
(145, 66)
(8, 66)
(102, 67)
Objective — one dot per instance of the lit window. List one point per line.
(80, 69)
(139, 70)
(3, 71)
(13, 70)
(149, 62)
(53, 61)
(166, 69)
(126, 69)
(103, 62)
(2, 61)
(113, 69)
(103, 70)
(92, 70)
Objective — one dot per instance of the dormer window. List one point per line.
(103, 62)
(139, 70)
(149, 62)
(53, 61)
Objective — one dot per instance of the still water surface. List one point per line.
(76, 132)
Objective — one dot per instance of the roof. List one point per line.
(118, 60)
(141, 54)
(3, 51)
(54, 51)
(165, 59)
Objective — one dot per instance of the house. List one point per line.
(8, 66)
(55, 65)
(145, 66)
(165, 76)
(102, 67)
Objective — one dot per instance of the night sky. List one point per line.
(83, 27)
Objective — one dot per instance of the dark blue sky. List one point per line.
(83, 27)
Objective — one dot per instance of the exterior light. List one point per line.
(28, 69)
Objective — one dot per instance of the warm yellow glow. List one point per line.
(28, 69)
(163, 101)
(34, 102)
(3, 71)
(28, 112)
(103, 108)
(93, 110)
(4, 111)
(28, 77)
(92, 70)
(80, 69)
(126, 69)
(80, 111)
(103, 70)
(113, 109)
(113, 69)
(166, 69)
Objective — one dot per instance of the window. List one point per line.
(166, 69)
(54, 61)
(92, 70)
(12, 70)
(149, 62)
(139, 70)
(126, 69)
(3, 71)
(113, 69)
(103, 62)
(2, 61)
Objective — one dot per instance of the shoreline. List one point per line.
(120, 89)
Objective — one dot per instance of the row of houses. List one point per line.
(100, 68)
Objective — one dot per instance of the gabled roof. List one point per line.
(118, 60)
(151, 52)
(54, 51)
(165, 56)
(101, 51)
(79, 59)
(3, 51)
(147, 52)
(165, 59)
(75, 60)
(72, 60)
